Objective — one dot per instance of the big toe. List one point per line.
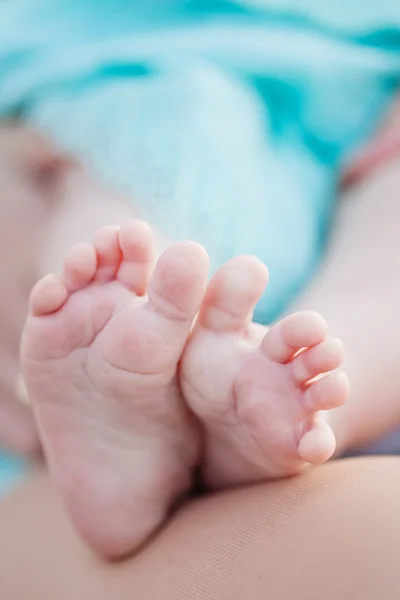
(179, 281)
(233, 293)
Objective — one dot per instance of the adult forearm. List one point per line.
(358, 292)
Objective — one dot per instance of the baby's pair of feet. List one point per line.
(138, 376)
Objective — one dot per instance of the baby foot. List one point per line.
(100, 364)
(258, 392)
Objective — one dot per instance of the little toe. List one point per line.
(233, 293)
(287, 337)
(136, 243)
(47, 296)
(324, 357)
(179, 281)
(329, 392)
(79, 267)
(106, 243)
(318, 445)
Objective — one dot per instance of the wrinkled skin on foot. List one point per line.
(132, 391)
(254, 390)
(100, 356)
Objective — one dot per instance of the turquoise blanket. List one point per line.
(226, 121)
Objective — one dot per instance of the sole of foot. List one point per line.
(100, 354)
(263, 396)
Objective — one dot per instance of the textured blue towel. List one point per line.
(226, 121)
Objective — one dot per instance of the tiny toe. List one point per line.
(179, 280)
(136, 243)
(318, 445)
(324, 357)
(47, 296)
(300, 330)
(233, 293)
(329, 392)
(106, 244)
(79, 267)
